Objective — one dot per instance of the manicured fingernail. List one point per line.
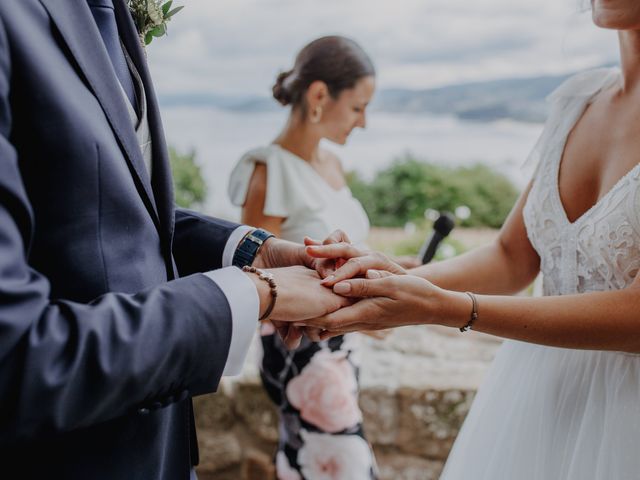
(342, 288)
(329, 279)
(373, 274)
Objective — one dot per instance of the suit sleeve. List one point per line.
(66, 365)
(199, 241)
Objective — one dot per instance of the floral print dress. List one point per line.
(316, 386)
(316, 390)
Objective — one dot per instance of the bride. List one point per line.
(562, 398)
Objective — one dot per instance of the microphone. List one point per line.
(441, 228)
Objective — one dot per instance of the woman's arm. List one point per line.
(506, 266)
(253, 208)
(591, 321)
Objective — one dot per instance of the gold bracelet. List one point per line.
(267, 277)
(474, 312)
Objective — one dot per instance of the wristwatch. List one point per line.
(249, 246)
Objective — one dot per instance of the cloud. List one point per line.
(239, 46)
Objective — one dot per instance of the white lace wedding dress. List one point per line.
(551, 413)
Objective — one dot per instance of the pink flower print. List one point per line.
(325, 392)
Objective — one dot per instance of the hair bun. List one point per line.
(280, 92)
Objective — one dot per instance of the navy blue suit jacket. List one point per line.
(106, 328)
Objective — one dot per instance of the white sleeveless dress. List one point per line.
(547, 413)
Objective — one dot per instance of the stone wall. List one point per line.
(416, 388)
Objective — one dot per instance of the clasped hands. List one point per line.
(331, 288)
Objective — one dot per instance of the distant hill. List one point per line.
(520, 99)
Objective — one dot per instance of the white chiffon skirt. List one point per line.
(547, 413)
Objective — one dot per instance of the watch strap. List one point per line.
(249, 246)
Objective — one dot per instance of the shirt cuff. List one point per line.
(244, 302)
(232, 244)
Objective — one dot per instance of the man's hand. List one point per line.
(351, 262)
(300, 297)
(277, 253)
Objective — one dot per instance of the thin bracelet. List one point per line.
(474, 313)
(267, 277)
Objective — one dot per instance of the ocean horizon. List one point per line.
(219, 137)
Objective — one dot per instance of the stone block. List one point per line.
(406, 467)
(218, 451)
(256, 411)
(214, 412)
(430, 420)
(258, 466)
(380, 410)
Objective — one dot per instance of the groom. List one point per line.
(107, 326)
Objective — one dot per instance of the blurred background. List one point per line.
(459, 105)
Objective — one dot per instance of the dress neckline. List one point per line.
(558, 163)
(312, 170)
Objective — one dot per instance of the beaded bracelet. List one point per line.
(474, 313)
(267, 277)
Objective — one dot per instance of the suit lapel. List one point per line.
(161, 181)
(77, 27)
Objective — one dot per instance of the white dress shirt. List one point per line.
(244, 302)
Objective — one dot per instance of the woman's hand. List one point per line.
(390, 301)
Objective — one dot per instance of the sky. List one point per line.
(237, 47)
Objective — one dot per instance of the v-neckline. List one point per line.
(599, 201)
(313, 170)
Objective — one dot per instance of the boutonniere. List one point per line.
(151, 17)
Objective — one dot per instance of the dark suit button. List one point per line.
(143, 411)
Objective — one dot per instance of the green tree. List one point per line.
(189, 186)
(404, 190)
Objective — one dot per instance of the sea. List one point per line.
(219, 138)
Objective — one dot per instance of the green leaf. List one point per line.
(173, 12)
(166, 7)
(159, 31)
(148, 38)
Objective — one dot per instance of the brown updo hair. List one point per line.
(337, 61)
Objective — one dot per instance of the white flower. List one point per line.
(155, 13)
(334, 457)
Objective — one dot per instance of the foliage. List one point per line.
(188, 184)
(151, 17)
(410, 243)
(402, 192)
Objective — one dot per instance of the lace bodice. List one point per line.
(601, 249)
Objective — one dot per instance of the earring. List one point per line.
(316, 115)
